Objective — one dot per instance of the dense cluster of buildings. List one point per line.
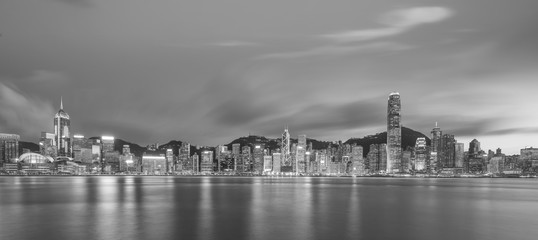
(63, 153)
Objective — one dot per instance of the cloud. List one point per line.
(23, 115)
(234, 44)
(46, 76)
(396, 22)
(337, 50)
(84, 3)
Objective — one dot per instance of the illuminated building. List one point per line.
(62, 131)
(128, 161)
(394, 134)
(300, 154)
(154, 162)
(110, 159)
(359, 167)
(32, 163)
(206, 165)
(246, 159)
(459, 155)
(82, 149)
(435, 161)
(195, 163)
(276, 162)
(185, 159)
(448, 150)
(420, 154)
(528, 158)
(169, 160)
(267, 163)
(236, 155)
(377, 157)
(9, 147)
(285, 150)
(47, 145)
(258, 155)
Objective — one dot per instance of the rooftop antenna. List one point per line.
(61, 103)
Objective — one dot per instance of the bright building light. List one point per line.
(78, 136)
(107, 137)
(258, 146)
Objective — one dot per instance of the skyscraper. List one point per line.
(62, 131)
(9, 147)
(436, 148)
(420, 154)
(285, 151)
(394, 133)
(300, 154)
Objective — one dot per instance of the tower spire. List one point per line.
(61, 103)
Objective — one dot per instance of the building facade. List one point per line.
(394, 134)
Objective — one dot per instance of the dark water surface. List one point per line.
(128, 207)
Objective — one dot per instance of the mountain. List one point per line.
(409, 137)
(136, 149)
(274, 143)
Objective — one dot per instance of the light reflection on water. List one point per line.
(130, 207)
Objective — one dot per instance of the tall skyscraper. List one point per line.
(300, 154)
(459, 155)
(285, 157)
(394, 133)
(62, 131)
(420, 154)
(436, 147)
(448, 151)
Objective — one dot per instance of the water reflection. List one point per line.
(133, 207)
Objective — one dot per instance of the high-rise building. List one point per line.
(300, 154)
(359, 167)
(420, 154)
(276, 162)
(246, 159)
(9, 147)
(435, 161)
(206, 165)
(285, 150)
(459, 155)
(267, 163)
(394, 134)
(258, 154)
(377, 158)
(82, 149)
(448, 151)
(62, 131)
(236, 156)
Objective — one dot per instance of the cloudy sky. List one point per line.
(210, 71)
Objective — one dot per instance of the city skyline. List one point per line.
(153, 72)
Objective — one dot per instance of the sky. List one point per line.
(207, 72)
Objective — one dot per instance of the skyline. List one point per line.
(207, 73)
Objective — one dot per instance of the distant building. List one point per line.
(82, 149)
(246, 159)
(110, 159)
(206, 164)
(394, 134)
(529, 159)
(377, 158)
(267, 163)
(436, 148)
(420, 154)
(359, 168)
(300, 154)
(459, 155)
(128, 161)
(277, 157)
(285, 150)
(9, 147)
(154, 162)
(47, 145)
(62, 131)
(448, 151)
(236, 156)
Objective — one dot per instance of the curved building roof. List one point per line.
(35, 158)
(62, 114)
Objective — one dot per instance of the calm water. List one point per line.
(266, 208)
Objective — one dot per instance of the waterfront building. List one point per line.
(285, 150)
(154, 162)
(9, 148)
(459, 154)
(394, 134)
(128, 161)
(357, 158)
(47, 145)
(496, 164)
(377, 158)
(236, 155)
(206, 164)
(420, 154)
(436, 148)
(110, 159)
(300, 154)
(82, 149)
(406, 160)
(170, 160)
(62, 131)
(448, 151)
(246, 159)
(277, 162)
(529, 159)
(267, 163)
(195, 163)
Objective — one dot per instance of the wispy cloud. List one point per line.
(234, 44)
(83, 3)
(396, 22)
(338, 50)
(22, 114)
(47, 76)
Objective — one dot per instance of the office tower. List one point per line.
(82, 149)
(394, 134)
(448, 151)
(236, 156)
(420, 154)
(110, 158)
(170, 160)
(184, 155)
(359, 167)
(435, 161)
(154, 162)
(459, 155)
(195, 163)
(285, 150)
(62, 131)
(474, 147)
(277, 162)
(267, 163)
(9, 147)
(258, 154)
(246, 159)
(206, 165)
(377, 158)
(300, 154)
(127, 160)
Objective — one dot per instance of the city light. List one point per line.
(107, 138)
(78, 136)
